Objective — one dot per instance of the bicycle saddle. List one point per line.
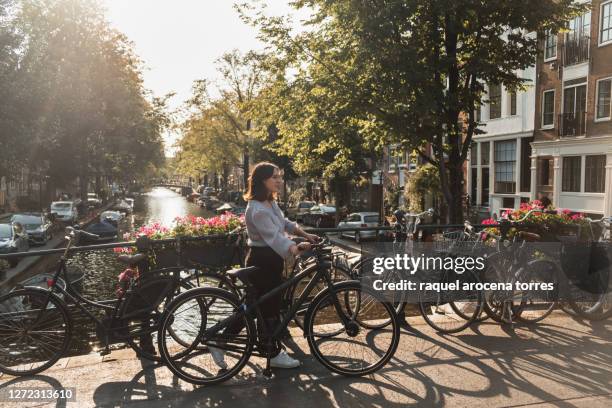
(241, 274)
(132, 259)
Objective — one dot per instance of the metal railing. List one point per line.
(572, 124)
(576, 51)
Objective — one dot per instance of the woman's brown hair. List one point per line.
(256, 189)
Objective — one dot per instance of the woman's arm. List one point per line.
(301, 233)
(293, 228)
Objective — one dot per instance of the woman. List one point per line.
(269, 246)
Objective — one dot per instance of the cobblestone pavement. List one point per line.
(558, 362)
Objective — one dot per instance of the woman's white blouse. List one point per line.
(268, 227)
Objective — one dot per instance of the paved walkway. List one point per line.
(560, 362)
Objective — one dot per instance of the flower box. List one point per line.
(214, 253)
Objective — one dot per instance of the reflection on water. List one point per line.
(101, 267)
(164, 205)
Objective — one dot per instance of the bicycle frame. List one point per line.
(320, 271)
(74, 297)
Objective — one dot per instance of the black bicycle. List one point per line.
(333, 326)
(36, 324)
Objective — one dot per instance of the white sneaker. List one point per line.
(282, 360)
(218, 356)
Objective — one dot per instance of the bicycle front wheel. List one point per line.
(34, 332)
(337, 336)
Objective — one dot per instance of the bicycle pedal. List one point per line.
(104, 352)
(267, 373)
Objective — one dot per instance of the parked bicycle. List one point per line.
(334, 326)
(36, 324)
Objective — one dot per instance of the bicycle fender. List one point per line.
(322, 294)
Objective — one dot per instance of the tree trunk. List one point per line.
(455, 206)
(245, 168)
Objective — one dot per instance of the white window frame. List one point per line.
(552, 125)
(605, 118)
(599, 25)
(553, 58)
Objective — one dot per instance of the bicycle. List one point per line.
(36, 324)
(340, 310)
(589, 296)
(512, 263)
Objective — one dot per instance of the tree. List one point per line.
(88, 113)
(412, 71)
(11, 126)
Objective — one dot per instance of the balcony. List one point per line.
(576, 50)
(572, 124)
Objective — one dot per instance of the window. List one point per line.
(550, 46)
(571, 174)
(548, 108)
(484, 192)
(526, 165)
(595, 174)
(505, 165)
(573, 120)
(605, 23)
(494, 101)
(546, 171)
(508, 202)
(474, 187)
(579, 27)
(484, 153)
(478, 117)
(604, 90)
(512, 103)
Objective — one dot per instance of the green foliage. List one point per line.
(367, 73)
(425, 180)
(80, 105)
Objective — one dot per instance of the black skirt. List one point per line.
(268, 277)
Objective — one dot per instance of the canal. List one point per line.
(101, 268)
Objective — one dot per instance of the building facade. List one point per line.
(572, 148)
(498, 171)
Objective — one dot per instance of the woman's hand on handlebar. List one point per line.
(312, 238)
(300, 248)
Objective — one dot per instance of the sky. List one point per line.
(179, 40)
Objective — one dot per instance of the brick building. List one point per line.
(572, 148)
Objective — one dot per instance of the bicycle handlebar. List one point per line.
(75, 233)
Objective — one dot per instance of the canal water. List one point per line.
(101, 268)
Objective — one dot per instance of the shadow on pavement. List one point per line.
(543, 362)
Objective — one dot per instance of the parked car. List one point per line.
(93, 200)
(114, 216)
(209, 190)
(66, 211)
(320, 216)
(130, 201)
(360, 220)
(297, 211)
(37, 226)
(13, 238)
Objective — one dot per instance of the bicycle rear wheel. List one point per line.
(191, 314)
(398, 301)
(296, 290)
(352, 349)
(32, 336)
(535, 304)
(141, 313)
(451, 312)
